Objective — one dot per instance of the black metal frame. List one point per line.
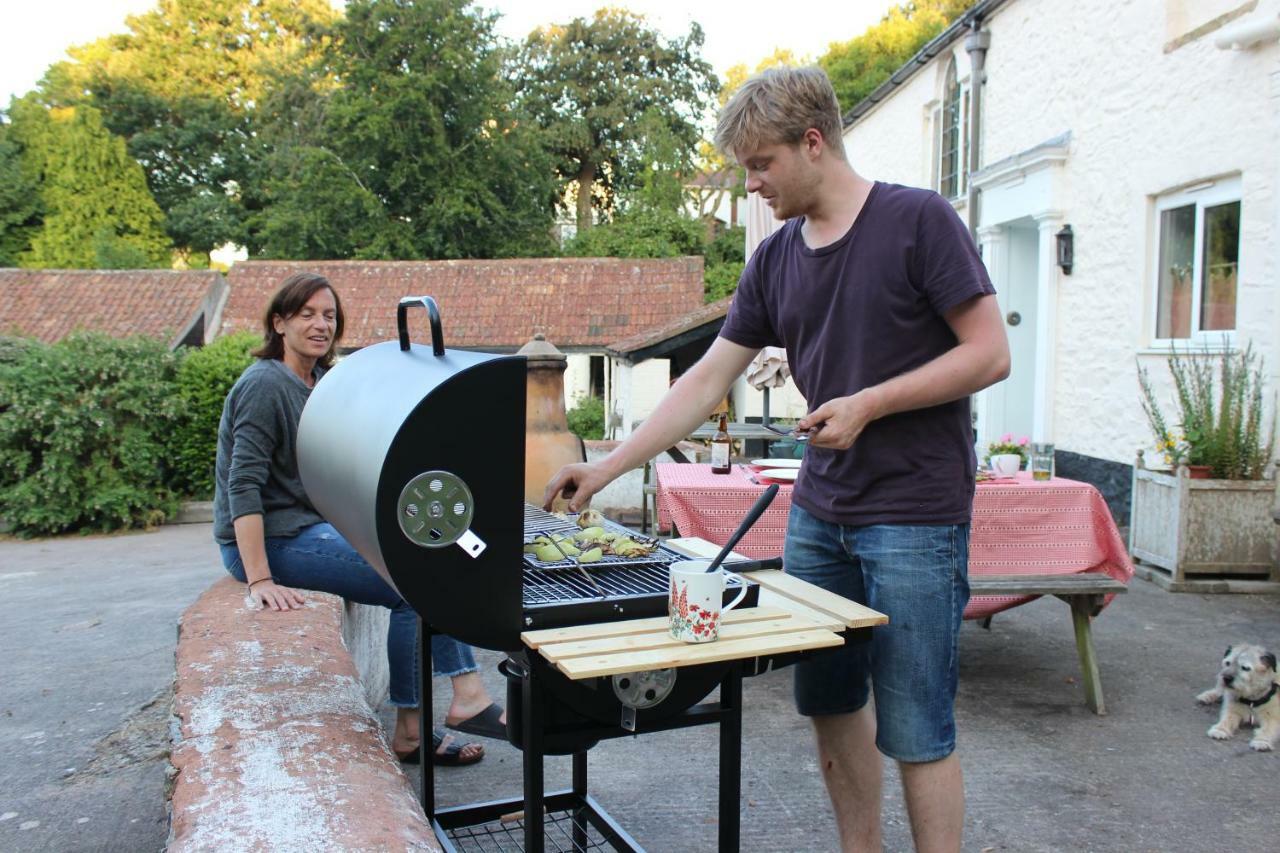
(587, 811)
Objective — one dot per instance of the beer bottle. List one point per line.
(720, 445)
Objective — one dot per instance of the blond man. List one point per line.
(890, 323)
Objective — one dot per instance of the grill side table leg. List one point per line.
(731, 760)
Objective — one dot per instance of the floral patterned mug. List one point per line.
(695, 606)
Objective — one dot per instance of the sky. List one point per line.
(37, 34)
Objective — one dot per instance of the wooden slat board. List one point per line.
(791, 616)
(700, 549)
(662, 639)
(851, 614)
(689, 654)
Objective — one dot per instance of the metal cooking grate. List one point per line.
(554, 586)
(559, 831)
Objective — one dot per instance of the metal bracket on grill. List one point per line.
(639, 690)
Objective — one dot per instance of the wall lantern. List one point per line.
(1066, 249)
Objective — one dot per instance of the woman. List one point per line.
(273, 539)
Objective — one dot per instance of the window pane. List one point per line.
(949, 183)
(1177, 254)
(1221, 263)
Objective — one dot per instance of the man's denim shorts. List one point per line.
(918, 577)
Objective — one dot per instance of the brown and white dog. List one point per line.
(1248, 690)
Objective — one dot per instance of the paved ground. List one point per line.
(88, 642)
(1043, 773)
(89, 630)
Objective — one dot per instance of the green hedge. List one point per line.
(203, 380)
(83, 431)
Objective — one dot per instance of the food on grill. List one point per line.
(589, 545)
(590, 518)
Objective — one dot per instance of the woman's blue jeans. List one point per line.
(320, 559)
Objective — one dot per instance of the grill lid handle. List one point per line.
(433, 313)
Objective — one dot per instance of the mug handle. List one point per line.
(742, 593)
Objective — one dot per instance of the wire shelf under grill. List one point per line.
(559, 831)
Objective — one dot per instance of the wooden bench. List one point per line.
(1084, 592)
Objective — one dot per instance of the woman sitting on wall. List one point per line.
(273, 539)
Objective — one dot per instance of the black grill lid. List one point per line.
(392, 418)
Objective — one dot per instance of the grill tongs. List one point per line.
(578, 565)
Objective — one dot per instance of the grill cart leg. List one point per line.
(425, 729)
(534, 838)
(581, 810)
(731, 760)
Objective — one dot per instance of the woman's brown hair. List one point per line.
(294, 293)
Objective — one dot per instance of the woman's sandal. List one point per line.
(452, 755)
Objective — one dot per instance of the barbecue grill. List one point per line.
(416, 455)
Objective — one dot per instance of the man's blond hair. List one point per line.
(777, 106)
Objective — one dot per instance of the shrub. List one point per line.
(1221, 421)
(82, 432)
(205, 377)
(721, 280)
(586, 419)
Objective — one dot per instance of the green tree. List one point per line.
(183, 86)
(20, 207)
(857, 67)
(99, 212)
(588, 81)
(418, 154)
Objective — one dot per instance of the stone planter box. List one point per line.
(1203, 529)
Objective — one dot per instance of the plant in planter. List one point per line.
(1212, 515)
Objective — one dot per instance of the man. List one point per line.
(890, 323)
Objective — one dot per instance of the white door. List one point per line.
(1010, 404)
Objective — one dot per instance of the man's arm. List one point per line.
(681, 410)
(980, 358)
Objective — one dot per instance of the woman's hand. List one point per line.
(267, 594)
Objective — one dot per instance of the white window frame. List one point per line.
(962, 146)
(1208, 193)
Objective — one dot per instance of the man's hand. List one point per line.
(577, 482)
(838, 423)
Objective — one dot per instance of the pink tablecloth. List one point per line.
(1020, 527)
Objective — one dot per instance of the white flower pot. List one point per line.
(1006, 464)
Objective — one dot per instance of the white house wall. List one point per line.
(1145, 117)
(577, 379)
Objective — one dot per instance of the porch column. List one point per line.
(993, 242)
(1042, 423)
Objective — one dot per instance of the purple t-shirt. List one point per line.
(856, 313)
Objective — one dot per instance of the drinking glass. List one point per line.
(1041, 461)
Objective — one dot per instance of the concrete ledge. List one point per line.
(193, 512)
(274, 744)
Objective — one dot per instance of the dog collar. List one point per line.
(1253, 703)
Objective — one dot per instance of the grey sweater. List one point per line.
(257, 468)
